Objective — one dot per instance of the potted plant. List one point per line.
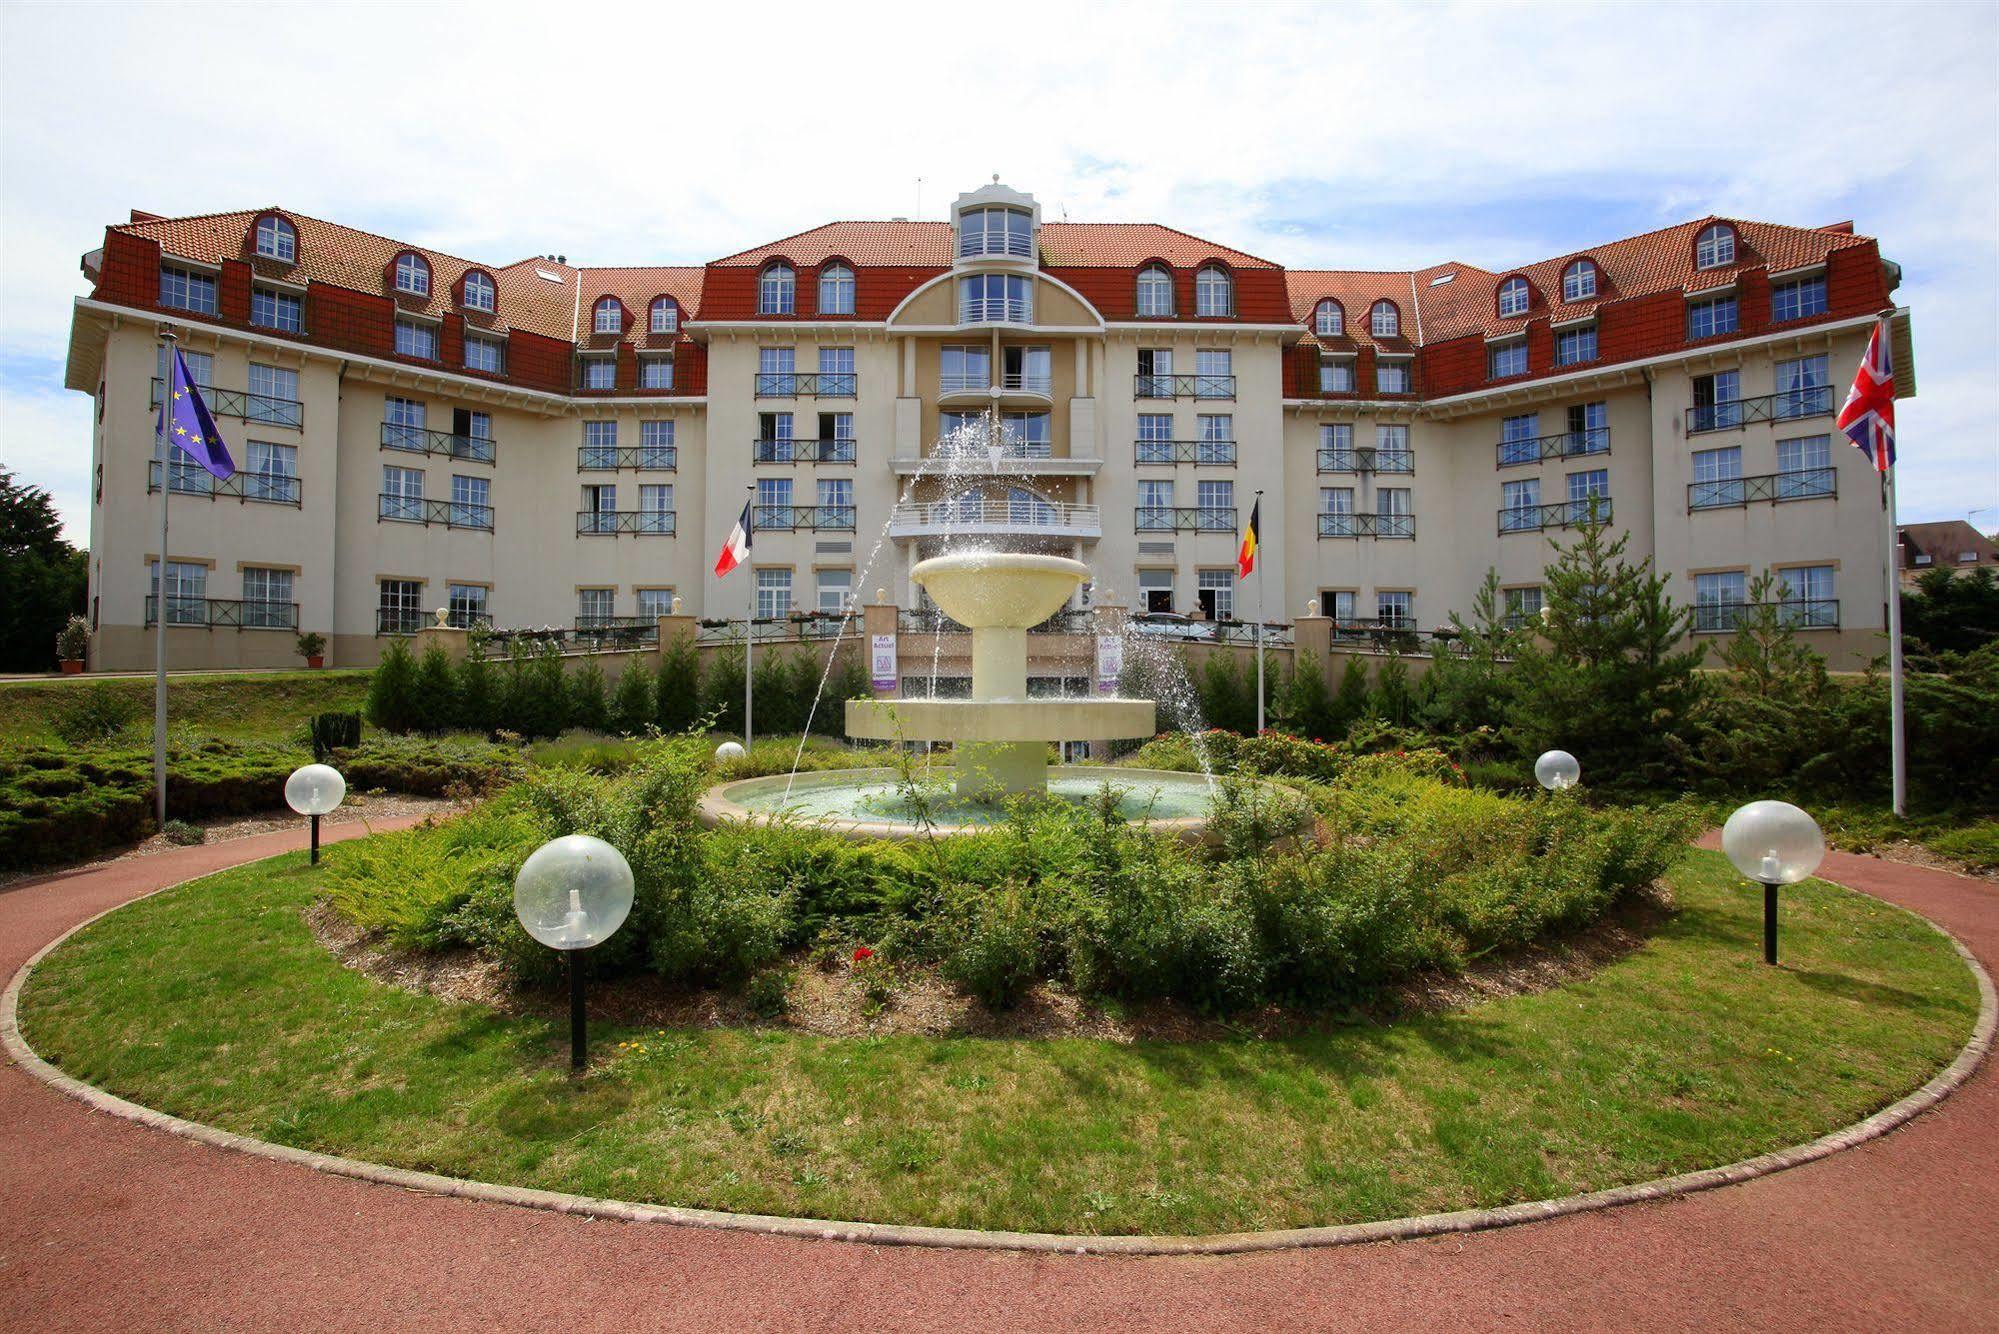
(312, 647)
(73, 644)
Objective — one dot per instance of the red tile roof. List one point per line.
(1356, 291)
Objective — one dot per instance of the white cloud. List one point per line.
(676, 134)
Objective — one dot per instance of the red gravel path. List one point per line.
(106, 1224)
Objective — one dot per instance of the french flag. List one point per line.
(737, 549)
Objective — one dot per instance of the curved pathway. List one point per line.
(105, 1223)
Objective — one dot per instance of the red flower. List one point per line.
(863, 953)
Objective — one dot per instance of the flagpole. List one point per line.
(1255, 512)
(749, 629)
(1897, 738)
(165, 451)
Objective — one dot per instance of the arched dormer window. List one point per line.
(1155, 292)
(277, 239)
(1514, 297)
(836, 289)
(777, 290)
(1715, 246)
(477, 291)
(607, 316)
(1214, 292)
(1329, 319)
(1384, 320)
(1579, 281)
(412, 273)
(665, 315)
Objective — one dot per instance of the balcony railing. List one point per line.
(1007, 447)
(827, 518)
(259, 408)
(806, 384)
(1739, 412)
(1202, 453)
(1364, 459)
(982, 242)
(1798, 613)
(1561, 445)
(611, 458)
(996, 516)
(1183, 386)
(191, 479)
(1367, 525)
(615, 631)
(224, 613)
(613, 523)
(1020, 382)
(450, 513)
(463, 618)
(1185, 519)
(995, 310)
(1776, 487)
(1561, 514)
(401, 620)
(838, 450)
(420, 440)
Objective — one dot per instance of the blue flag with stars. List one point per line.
(185, 420)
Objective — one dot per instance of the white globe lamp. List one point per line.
(729, 750)
(1774, 843)
(1557, 770)
(314, 790)
(572, 893)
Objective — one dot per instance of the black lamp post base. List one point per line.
(1769, 924)
(579, 1044)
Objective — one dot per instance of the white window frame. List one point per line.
(1715, 247)
(607, 316)
(777, 289)
(1214, 292)
(412, 274)
(1515, 298)
(1579, 281)
(665, 316)
(479, 291)
(836, 281)
(1329, 319)
(283, 237)
(1384, 320)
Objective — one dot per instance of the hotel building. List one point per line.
(538, 444)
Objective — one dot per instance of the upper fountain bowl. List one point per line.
(985, 590)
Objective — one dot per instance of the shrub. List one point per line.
(73, 640)
(333, 731)
(587, 708)
(392, 704)
(676, 702)
(631, 703)
(722, 690)
(769, 993)
(434, 702)
(1305, 703)
(476, 694)
(992, 942)
(183, 834)
(98, 712)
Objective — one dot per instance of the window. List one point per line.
(836, 591)
(773, 502)
(1155, 372)
(1335, 446)
(1329, 320)
(600, 509)
(405, 418)
(1214, 373)
(1520, 505)
(1716, 404)
(1718, 599)
(777, 290)
(774, 431)
(1706, 319)
(277, 239)
(1155, 292)
(485, 354)
(200, 367)
(478, 291)
(656, 447)
(1514, 298)
(656, 507)
(1155, 592)
(836, 372)
(1155, 506)
(273, 396)
(402, 493)
(777, 369)
(996, 231)
(1336, 511)
(1214, 293)
(1715, 246)
(1519, 439)
(187, 290)
(271, 472)
(1217, 502)
(186, 591)
(1803, 389)
(467, 605)
(773, 594)
(1804, 468)
(595, 606)
(412, 274)
(1809, 598)
(1215, 590)
(469, 426)
(276, 310)
(1391, 448)
(471, 502)
(1391, 377)
(600, 372)
(415, 339)
(994, 298)
(1216, 438)
(607, 316)
(1336, 375)
(655, 372)
(1589, 429)
(665, 318)
(600, 445)
(1718, 465)
(1027, 368)
(1395, 610)
(1026, 434)
(836, 290)
(1798, 300)
(1385, 321)
(655, 602)
(836, 502)
(1155, 437)
(1578, 284)
(1505, 359)
(1523, 607)
(399, 610)
(1585, 490)
(1342, 604)
(1575, 345)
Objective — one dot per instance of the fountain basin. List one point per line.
(999, 590)
(1000, 720)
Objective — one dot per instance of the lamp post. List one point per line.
(729, 750)
(1773, 843)
(572, 893)
(1557, 770)
(315, 790)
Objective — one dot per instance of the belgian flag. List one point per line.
(1245, 560)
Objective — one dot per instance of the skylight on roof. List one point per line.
(1441, 279)
(546, 276)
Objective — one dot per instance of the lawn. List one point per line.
(215, 1003)
(244, 706)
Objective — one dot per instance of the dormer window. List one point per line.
(1514, 298)
(1715, 246)
(777, 291)
(1328, 320)
(277, 239)
(479, 291)
(1214, 293)
(607, 316)
(1579, 281)
(1385, 321)
(996, 231)
(665, 315)
(836, 289)
(1155, 292)
(412, 274)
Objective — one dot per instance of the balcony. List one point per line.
(1367, 525)
(1201, 453)
(1183, 386)
(400, 620)
(418, 440)
(191, 479)
(1562, 445)
(1716, 618)
(1737, 413)
(261, 409)
(1561, 514)
(825, 518)
(223, 613)
(642, 458)
(1185, 519)
(995, 310)
(1004, 518)
(1776, 487)
(1366, 460)
(839, 450)
(615, 523)
(1010, 243)
(450, 513)
(806, 384)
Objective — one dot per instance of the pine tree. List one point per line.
(1305, 704)
(1764, 652)
(1391, 701)
(434, 696)
(586, 699)
(392, 689)
(477, 695)
(1353, 701)
(631, 701)
(1468, 688)
(722, 689)
(676, 695)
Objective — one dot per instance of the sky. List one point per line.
(1319, 136)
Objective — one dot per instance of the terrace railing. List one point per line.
(421, 440)
(191, 479)
(1561, 445)
(1776, 487)
(1736, 413)
(262, 409)
(1367, 525)
(224, 613)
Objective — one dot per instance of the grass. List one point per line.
(246, 706)
(215, 1003)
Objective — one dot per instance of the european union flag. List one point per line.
(185, 420)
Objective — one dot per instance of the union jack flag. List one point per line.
(1868, 415)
